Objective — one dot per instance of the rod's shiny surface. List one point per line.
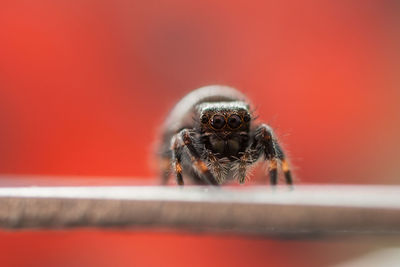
(307, 209)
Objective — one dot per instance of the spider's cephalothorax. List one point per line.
(224, 127)
(211, 137)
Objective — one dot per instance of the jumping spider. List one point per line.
(211, 137)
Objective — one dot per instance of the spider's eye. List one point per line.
(246, 118)
(218, 122)
(204, 119)
(234, 121)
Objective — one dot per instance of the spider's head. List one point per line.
(224, 118)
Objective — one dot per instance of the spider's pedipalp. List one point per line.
(218, 166)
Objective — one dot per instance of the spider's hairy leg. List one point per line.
(198, 164)
(176, 159)
(265, 146)
(165, 169)
(273, 171)
(266, 143)
(285, 165)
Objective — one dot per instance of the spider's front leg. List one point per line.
(184, 140)
(265, 143)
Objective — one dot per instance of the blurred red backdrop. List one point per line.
(84, 86)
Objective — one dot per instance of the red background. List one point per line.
(84, 86)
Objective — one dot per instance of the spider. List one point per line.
(211, 136)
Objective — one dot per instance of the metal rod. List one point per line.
(308, 209)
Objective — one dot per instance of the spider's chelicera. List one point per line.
(211, 137)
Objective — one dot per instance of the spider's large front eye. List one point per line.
(234, 121)
(218, 122)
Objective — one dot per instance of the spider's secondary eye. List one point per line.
(204, 119)
(234, 121)
(218, 122)
(246, 118)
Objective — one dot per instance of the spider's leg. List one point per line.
(267, 143)
(285, 164)
(176, 159)
(198, 164)
(165, 170)
(165, 166)
(273, 171)
(264, 145)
